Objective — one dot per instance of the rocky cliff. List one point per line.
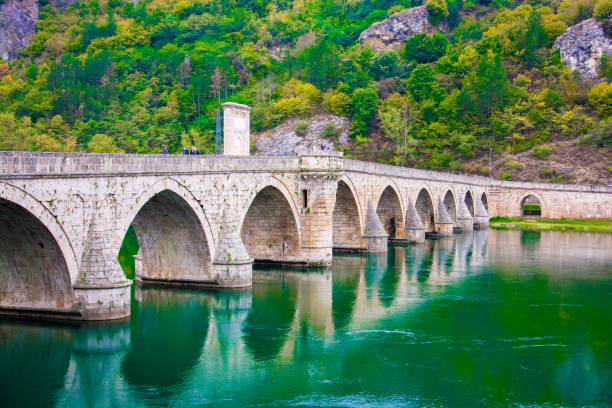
(583, 45)
(395, 30)
(284, 140)
(17, 24)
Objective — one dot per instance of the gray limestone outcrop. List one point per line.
(17, 25)
(583, 45)
(393, 32)
(283, 140)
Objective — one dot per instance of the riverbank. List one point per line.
(542, 224)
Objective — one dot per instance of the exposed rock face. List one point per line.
(284, 141)
(583, 45)
(395, 30)
(17, 24)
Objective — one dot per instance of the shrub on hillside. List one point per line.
(600, 98)
(541, 152)
(603, 9)
(438, 11)
(424, 48)
(301, 127)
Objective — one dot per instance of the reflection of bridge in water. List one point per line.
(195, 346)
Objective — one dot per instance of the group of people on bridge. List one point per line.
(186, 151)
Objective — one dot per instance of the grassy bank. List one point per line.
(589, 225)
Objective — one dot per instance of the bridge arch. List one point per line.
(425, 208)
(173, 233)
(390, 210)
(347, 218)
(450, 204)
(270, 228)
(468, 199)
(531, 205)
(484, 200)
(37, 262)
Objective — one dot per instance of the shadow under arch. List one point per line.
(269, 229)
(33, 268)
(172, 239)
(425, 208)
(450, 205)
(390, 211)
(468, 199)
(347, 228)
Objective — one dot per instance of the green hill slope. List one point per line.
(104, 76)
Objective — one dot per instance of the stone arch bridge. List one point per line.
(202, 220)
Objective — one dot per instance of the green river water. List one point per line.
(490, 318)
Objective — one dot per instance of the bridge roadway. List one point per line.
(202, 220)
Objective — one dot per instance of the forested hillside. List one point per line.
(117, 76)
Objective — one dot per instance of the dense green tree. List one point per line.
(363, 106)
(424, 48)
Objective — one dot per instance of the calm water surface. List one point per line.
(497, 318)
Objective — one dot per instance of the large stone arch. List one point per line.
(450, 203)
(347, 221)
(424, 205)
(173, 233)
(37, 263)
(270, 228)
(390, 210)
(468, 199)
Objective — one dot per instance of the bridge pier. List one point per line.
(481, 215)
(102, 292)
(374, 234)
(318, 185)
(232, 266)
(444, 224)
(415, 231)
(465, 221)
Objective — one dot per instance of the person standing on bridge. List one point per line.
(164, 149)
(185, 151)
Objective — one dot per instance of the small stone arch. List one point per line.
(425, 208)
(531, 205)
(347, 225)
(34, 268)
(484, 200)
(390, 210)
(450, 205)
(270, 225)
(468, 199)
(173, 235)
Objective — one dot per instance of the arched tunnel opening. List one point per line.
(346, 232)
(389, 211)
(168, 241)
(425, 209)
(531, 207)
(469, 202)
(449, 204)
(33, 271)
(269, 230)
